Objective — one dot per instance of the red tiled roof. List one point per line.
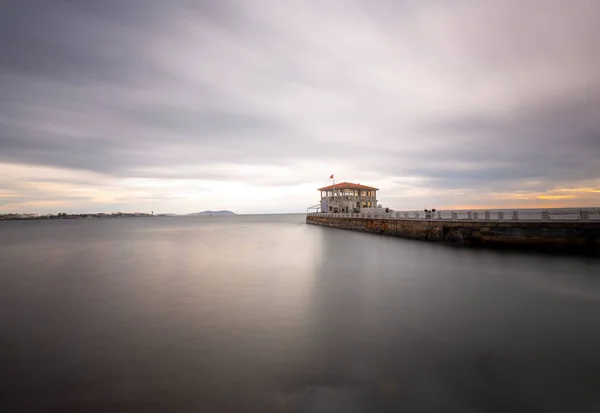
(347, 185)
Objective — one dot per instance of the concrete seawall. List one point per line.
(583, 237)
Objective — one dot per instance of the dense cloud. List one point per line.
(433, 102)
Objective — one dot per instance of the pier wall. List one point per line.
(560, 236)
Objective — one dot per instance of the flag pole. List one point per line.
(333, 178)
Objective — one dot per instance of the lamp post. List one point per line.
(429, 213)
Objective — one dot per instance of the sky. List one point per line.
(186, 105)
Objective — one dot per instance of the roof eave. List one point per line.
(350, 186)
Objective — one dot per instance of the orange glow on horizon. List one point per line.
(516, 207)
(555, 197)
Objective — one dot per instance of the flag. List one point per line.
(331, 177)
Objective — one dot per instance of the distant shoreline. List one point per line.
(73, 216)
(62, 215)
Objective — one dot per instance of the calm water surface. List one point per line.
(267, 314)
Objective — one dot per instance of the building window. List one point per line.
(330, 209)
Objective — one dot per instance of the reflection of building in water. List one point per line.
(347, 197)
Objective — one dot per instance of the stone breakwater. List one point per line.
(582, 237)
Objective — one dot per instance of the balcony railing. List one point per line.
(558, 215)
(350, 198)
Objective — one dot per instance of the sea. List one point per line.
(264, 313)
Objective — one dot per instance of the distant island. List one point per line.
(204, 213)
(200, 214)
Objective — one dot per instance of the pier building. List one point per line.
(347, 197)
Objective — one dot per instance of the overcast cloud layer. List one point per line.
(181, 105)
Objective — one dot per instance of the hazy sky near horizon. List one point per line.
(187, 105)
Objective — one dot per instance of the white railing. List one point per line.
(350, 198)
(559, 215)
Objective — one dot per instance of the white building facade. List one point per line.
(347, 197)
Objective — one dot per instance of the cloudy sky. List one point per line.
(187, 105)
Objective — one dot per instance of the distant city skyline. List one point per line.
(250, 106)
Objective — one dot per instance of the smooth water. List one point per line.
(268, 314)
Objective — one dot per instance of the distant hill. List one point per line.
(204, 213)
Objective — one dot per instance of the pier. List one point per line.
(563, 232)
(569, 230)
(525, 215)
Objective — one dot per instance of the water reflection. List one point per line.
(268, 314)
(401, 326)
